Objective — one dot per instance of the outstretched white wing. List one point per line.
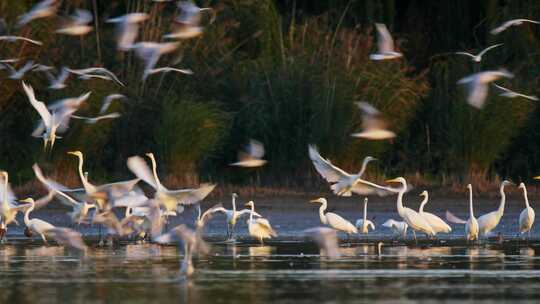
(329, 172)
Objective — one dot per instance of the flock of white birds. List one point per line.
(145, 217)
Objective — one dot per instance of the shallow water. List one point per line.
(282, 272)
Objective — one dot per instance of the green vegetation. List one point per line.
(288, 74)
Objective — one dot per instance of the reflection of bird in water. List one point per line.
(260, 251)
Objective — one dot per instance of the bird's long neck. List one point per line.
(27, 214)
(85, 182)
(251, 213)
(321, 213)
(365, 211)
(363, 168)
(234, 204)
(400, 208)
(526, 198)
(470, 204)
(424, 202)
(154, 171)
(500, 211)
(4, 197)
(199, 212)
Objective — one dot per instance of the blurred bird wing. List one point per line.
(192, 196)
(82, 16)
(119, 189)
(207, 215)
(255, 149)
(3, 191)
(43, 201)
(363, 189)
(489, 48)
(454, 219)
(68, 237)
(189, 13)
(477, 94)
(502, 88)
(247, 211)
(327, 240)
(385, 43)
(138, 166)
(265, 224)
(38, 105)
(466, 54)
(325, 168)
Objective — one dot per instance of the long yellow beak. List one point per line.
(395, 180)
(26, 200)
(72, 152)
(314, 201)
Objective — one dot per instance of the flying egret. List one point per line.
(364, 224)
(170, 199)
(8, 208)
(342, 183)
(169, 69)
(438, 225)
(511, 94)
(478, 57)
(106, 103)
(96, 72)
(327, 240)
(127, 29)
(107, 195)
(333, 220)
(526, 217)
(252, 156)
(188, 21)
(43, 9)
(259, 228)
(398, 227)
(150, 52)
(385, 44)
(94, 120)
(374, 126)
(477, 85)
(58, 82)
(471, 225)
(510, 23)
(233, 215)
(19, 38)
(17, 74)
(488, 221)
(78, 25)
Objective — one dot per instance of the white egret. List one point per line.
(8, 208)
(397, 226)
(106, 103)
(259, 228)
(43, 9)
(58, 82)
(111, 194)
(327, 240)
(19, 38)
(78, 24)
(471, 225)
(127, 29)
(342, 183)
(385, 44)
(511, 94)
(94, 120)
(233, 215)
(189, 21)
(373, 124)
(438, 225)
(333, 220)
(510, 23)
(96, 72)
(364, 224)
(252, 156)
(21, 72)
(169, 69)
(478, 57)
(150, 52)
(477, 85)
(526, 217)
(170, 199)
(38, 226)
(488, 221)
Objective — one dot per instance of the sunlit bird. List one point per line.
(232, 216)
(17, 74)
(94, 120)
(107, 101)
(509, 23)
(478, 57)
(8, 206)
(477, 85)
(526, 217)
(385, 44)
(12, 38)
(373, 124)
(188, 21)
(43, 9)
(150, 52)
(398, 227)
(327, 240)
(341, 182)
(488, 221)
(259, 228)
(78, 25)
(471, 225)
(511, 94)
(333, 220)
(251, 156)
(438, 225)
(96, 72)
(364, 224)
(127, 29)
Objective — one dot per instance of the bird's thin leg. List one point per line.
(414, 234)
(44, 240)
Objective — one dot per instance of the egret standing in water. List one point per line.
(233, 216)
(434, 221)
(333, 220)
(364, 224)
(488, 221)
(526, 218)
(259, 228)
(471, 225)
